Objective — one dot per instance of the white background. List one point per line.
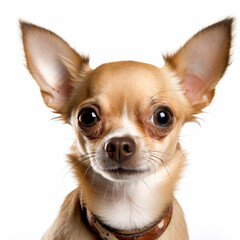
(34, 174)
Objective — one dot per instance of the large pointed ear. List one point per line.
(202, 61)
(53, 64)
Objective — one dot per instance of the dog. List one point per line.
(127, 117)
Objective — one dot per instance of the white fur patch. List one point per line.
(132, 205)
(128, 128)
(127, 124)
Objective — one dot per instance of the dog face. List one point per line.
(130, 120)
(127, 116)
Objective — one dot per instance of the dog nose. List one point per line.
(120, 149)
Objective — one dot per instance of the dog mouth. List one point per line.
(124, 171)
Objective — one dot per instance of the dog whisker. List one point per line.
(155, 151)
(159, 158)
(113, 190)
(79, 158)
(146, 185)
(105, 194)
(165, 165)
(93, 178)
(153, 166)
(77, 163)
(85, 173)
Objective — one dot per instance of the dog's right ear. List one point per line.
(53, 64)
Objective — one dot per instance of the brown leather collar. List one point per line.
(152, 232)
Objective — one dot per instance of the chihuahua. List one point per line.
(127, 117)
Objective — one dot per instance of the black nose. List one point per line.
(120, 149)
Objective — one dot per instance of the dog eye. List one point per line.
(162, 117)
(87, 117)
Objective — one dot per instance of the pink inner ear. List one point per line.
(64, 92)
(54, 81)
(57, 97)
(195, 88)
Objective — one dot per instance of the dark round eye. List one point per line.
(162, 117)
(87, 117)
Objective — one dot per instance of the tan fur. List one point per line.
(125, 96)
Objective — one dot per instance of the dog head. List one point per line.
(127, 115)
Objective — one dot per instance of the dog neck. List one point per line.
(153, 231)
(128, 205)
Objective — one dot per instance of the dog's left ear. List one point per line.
(202, 61)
